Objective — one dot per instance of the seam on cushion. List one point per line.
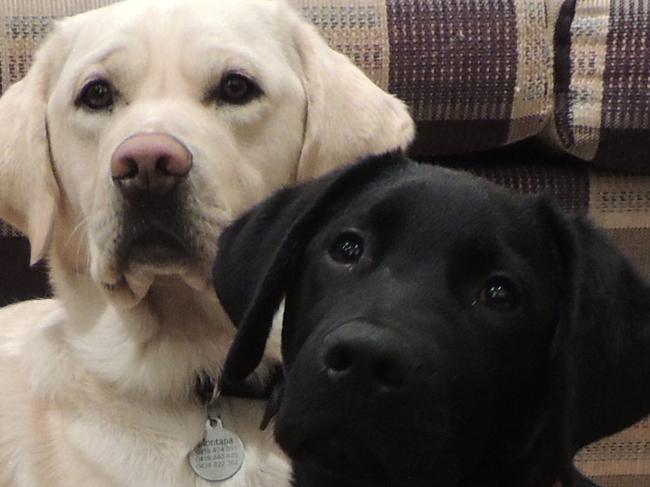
(562, 68)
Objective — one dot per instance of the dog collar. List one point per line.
(220, 453)
(205, 387)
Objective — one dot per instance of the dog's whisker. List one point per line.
(76, 229)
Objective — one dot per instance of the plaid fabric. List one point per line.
(603, 70)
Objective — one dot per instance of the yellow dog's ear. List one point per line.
(348, 116)
(28, 189)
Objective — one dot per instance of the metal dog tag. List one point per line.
(220, 455)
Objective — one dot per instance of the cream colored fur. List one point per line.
(97, 385)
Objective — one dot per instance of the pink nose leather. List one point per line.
(150, 163)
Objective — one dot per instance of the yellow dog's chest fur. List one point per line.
(85, 434)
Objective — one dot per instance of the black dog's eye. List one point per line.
(237, 89)
(499, 293)
(96, 95)
(347, 248)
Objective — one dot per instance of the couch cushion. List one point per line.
(602, 81)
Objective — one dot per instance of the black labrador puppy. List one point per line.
(438, 331)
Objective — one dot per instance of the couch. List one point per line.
(544, 96)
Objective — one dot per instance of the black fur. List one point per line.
(435, 387)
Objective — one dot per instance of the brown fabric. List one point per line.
(17, 280)
(468, 50)
(602, 110)
(626, 95)
(446, 136)
(625, 148)
(567, 186)
(472, 72)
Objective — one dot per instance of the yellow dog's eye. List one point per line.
(236, 89)
(96, 95)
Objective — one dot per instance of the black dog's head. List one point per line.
(437, 330)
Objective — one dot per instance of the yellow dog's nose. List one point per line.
(150, 163)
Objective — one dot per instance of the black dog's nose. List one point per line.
(359, 352)
(149, 164)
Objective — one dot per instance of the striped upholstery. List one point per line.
(477, 74)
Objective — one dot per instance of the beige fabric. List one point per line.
(588, 50)
(356, 28)
(620, 460)
(24, 24)
(579, 106)
(619, 201)
(532, 98)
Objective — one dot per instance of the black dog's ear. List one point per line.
(257, 254)
(601, 351)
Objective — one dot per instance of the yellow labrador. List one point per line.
(140, 131)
